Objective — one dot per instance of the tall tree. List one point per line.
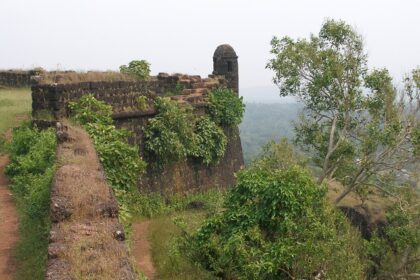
(357, 128)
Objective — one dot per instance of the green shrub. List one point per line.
(211, 141)
(277, 225)
(137, 68)
(225, 107)
(395, 249)
(120, 160)
(37, 154)
(31, 169)
(176, 133)
(90, 110)
(170, 135)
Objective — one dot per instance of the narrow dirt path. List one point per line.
(142, 249)
(8, 225)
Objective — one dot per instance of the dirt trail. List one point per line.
(142, 249)
(8, 225)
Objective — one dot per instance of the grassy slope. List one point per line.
(15, 105)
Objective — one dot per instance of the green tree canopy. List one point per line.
(354, 124)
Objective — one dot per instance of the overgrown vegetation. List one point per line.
(210, 141)
(137, 68)
(121, 161)
(360, 131)
(225, 107)
(31, 169)
(277, 224)
(170, 135)
(394, 251)
(176, 133)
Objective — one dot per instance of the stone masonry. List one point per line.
(124, 97)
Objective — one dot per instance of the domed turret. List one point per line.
(225, 62)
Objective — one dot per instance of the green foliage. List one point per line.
(226, 108)
(176, 133)
(90, 110)
(211, 141)
(170, 136)
(169, 261)
(277, 225)
(120, 160)
(137, 68)
(353, 126)
(31, 169)
(395, 250)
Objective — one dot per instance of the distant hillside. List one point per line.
(264, 94)
(265, 122)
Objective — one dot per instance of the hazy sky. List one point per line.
(180, 36)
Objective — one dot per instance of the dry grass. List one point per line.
(71, 77)
(86, 240)
(376, 204)
(15, 105)
(94, 253)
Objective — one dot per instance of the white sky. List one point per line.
(181, 36)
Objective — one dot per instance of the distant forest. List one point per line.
(265, 122)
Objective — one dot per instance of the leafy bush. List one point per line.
(394, 251)
(176, 133)
(31, 169)
(120, 160)
(138, 68)
(225, 107)
(211, 141)
(89, 110)
(277, 225)
(170, 136)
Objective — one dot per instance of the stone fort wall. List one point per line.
(53, 98)
(15, 78)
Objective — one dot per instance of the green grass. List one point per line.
(15, 105)
(169, 262)
(31, 169)
(167, 216)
